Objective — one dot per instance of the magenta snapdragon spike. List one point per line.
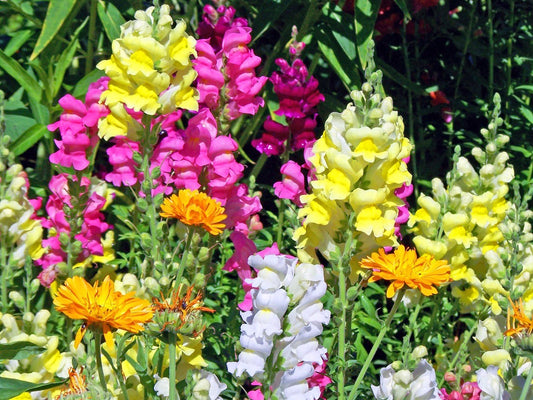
(92, 228)
(403, 211)
(225, 61)
(78, 126)
(298, 96)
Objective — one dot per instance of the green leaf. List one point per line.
(58, 12)
(19, 350)
(80, 90)
(403, 6)
(366, 12)
(13, 387)
(66, 59)
(111, 19)
(28, 139)
(15, 70)
(524, 87)
(18, 118)
(399, 78)
(269, 13)
(17, 41)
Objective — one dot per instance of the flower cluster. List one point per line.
(298, 96)
(150, 71)
(359, 165)
(465, 222)
(224, 59)
(281, 283)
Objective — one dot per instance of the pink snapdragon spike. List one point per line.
(293, 184)
(298, 96)
(120, 156)
(78, 127)
(92, 229)
(225, 59)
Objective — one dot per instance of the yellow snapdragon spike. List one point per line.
(150, 70)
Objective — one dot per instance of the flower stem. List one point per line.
(184, 256)
(173, 393)
(527, 384)
(376, 345)
(98, 355)
(342, 267)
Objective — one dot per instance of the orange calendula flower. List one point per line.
(101, 307)
(77, 384)
(195, 208)
(518, 322)
(403, 267)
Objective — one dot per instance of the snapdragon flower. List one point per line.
(421, 384)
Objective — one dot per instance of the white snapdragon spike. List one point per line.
(264, 323)
(281, 282)
(491, 384)
(300, 348)
(421, 384)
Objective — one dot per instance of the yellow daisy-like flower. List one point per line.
(195, 208)
(101, 308)
(404, 267)
(518, 322)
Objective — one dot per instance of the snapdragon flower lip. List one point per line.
(195, 208)
(101, 307)
(403, 267)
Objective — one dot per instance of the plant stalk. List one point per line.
(98, 355)
(173, 393)
(376, 345)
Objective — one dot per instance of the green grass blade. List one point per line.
(15, 70)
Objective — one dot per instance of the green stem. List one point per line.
(462, 347)
(4, 270)
(509, 62)
(410, 329)
(491, 50)
(410, 113)
(527, 384)
(173, 393)
(342, 267)
(468, 37)
(91, 38)
(184, 256)
(256, 170)
(376, 345)
(98, 355)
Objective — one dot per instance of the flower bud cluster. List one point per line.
(270, 338)
(150, 71)
(359, 164)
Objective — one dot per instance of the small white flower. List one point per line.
(491, 384)
(162, 386)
